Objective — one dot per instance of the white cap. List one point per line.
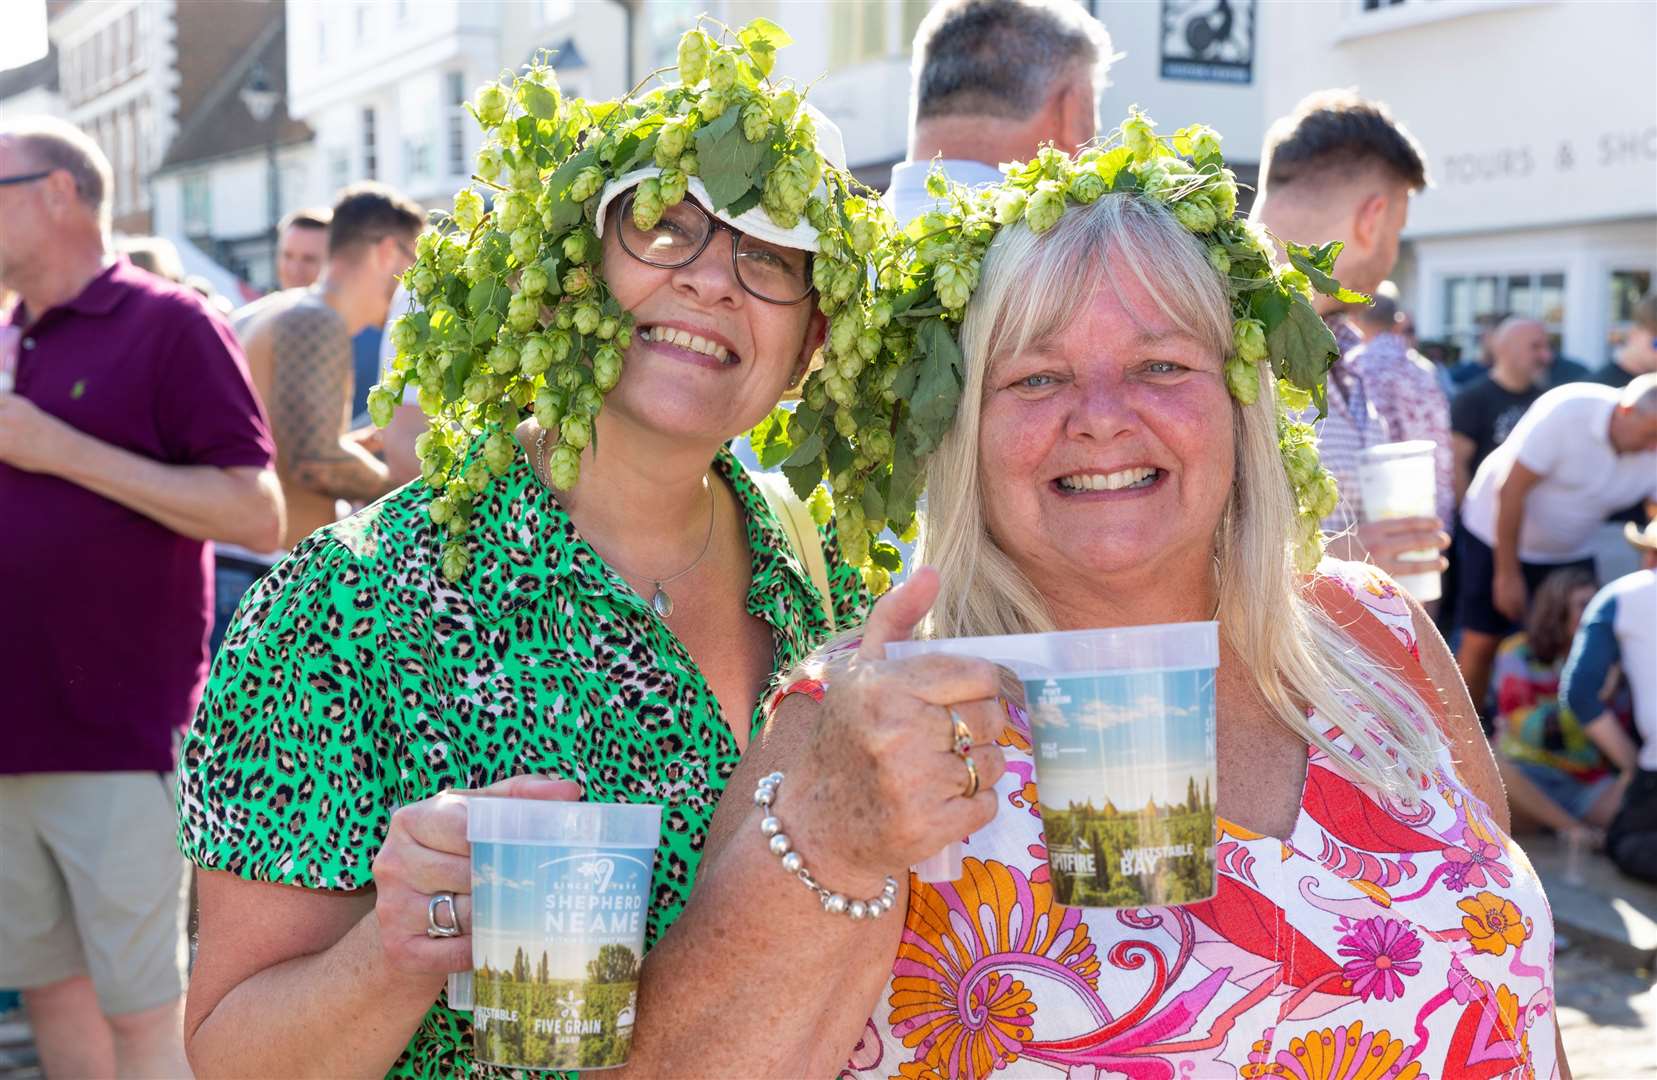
(755, 221)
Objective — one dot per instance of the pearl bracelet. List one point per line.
(834, 903)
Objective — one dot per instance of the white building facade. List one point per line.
(863, 46)
(383, 82)
(117, 72)
(1539, 120)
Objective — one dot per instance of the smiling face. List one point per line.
(1107, 449)
(708, 359)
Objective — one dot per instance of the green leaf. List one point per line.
(539, 101)
(840, 455)
(485, 328)
(1302, 349)
(729, 163)
(769, 438)
(904, 383)
(1318, 264)
(635, 151)
(802, 478)
(885, 556)
(746, 203)
(486, 295)
(1109, 166)
(526, 130)
(904, 485)
(915, 299)
(802, 423)
(566, 212)
(937, 387)
(1271, 305)
(764, 28)
(874, 507)
(805, 451)
(459, 369)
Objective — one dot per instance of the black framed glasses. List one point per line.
(24, 178)
(769, 272)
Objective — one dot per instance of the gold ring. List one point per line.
(972, 776)
(960, 734)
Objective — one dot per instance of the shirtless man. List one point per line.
(298, 347)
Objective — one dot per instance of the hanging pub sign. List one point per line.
(1208, 40)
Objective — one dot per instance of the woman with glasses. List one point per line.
(617, 634)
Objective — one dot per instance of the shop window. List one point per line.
(457, 121)
(370, 145)
(857, 34)
(1471, 300)
(1628, 287)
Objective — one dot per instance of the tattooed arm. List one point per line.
(310, 393)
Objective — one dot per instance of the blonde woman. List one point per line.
(1372, 917)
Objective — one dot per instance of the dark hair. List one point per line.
(1546, 626)
(309, 217)
(365, 213)
(1336, 134)
(1381, 311)
(1001, 57)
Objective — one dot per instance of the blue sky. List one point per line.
(1126, 737)
(508, 905)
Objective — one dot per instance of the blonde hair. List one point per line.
(1299, 658)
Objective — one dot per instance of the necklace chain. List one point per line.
(660, 601)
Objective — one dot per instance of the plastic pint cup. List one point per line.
(1399, 480)
(1122, 732)
(560, 892)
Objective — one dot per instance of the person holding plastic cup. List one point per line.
(1112, 464)
(539, 620)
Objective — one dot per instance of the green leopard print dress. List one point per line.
(356, 679)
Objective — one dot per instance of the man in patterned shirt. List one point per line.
(1341, 168)
(1406, 392)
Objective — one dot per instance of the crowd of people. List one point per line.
(223, 583)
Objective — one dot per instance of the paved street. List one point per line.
(1607, 1013)
(1608, 1016)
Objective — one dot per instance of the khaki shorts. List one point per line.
(92, 882)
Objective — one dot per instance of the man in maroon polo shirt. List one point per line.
(129, 437)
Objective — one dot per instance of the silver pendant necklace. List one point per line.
(660, 602)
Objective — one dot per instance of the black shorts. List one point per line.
(1475, 592)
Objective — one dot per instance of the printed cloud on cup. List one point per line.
(486, 876)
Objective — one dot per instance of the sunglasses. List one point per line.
(24, 178)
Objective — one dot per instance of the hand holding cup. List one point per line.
(426, 853)
(881, 785)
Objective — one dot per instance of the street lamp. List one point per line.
(262, 100)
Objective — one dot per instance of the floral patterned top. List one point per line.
(356, 679)
(1376, 943)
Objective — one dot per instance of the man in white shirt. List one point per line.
(1582, 452)
(993, 81)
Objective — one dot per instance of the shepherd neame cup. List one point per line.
(560, 892)
(1122, 732)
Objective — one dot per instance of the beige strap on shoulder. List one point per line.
(796, 520)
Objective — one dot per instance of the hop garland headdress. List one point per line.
(870, 417)
(513, 313)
